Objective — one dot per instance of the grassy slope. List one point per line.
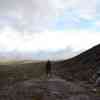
(19, 71)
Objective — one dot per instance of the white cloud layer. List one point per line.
(10, 40)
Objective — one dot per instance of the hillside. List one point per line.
(20, 71)
(82, 67)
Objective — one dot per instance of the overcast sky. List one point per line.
(48, 29)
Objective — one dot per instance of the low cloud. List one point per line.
(55, 43)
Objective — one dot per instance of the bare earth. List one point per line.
(49, 89)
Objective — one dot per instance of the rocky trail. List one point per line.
(48, 89)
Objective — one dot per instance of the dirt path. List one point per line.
(50, 89)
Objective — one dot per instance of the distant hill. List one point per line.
(82, 67)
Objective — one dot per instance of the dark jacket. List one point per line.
(48, 67)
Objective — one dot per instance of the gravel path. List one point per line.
(50, 89)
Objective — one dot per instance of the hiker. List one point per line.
(48, 68)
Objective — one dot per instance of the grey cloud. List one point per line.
(38, 15)
(28, 14)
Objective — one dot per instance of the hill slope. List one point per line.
(82, 67)
(15, 72)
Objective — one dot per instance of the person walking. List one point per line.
(48, 68)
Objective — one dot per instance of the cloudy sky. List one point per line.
(48, 29)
